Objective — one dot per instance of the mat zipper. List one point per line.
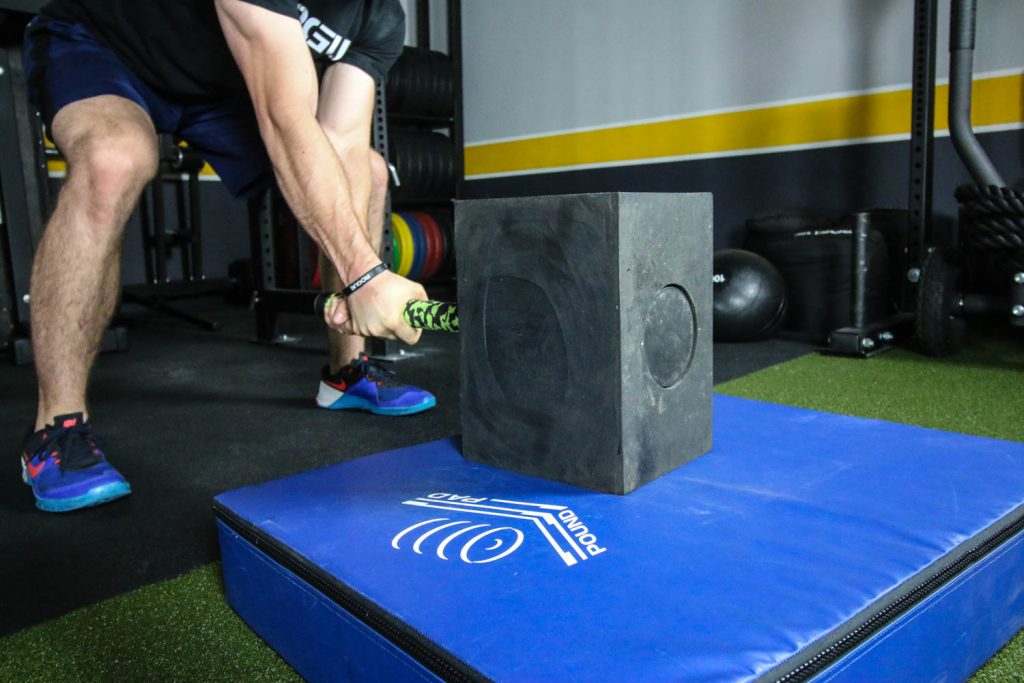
(898, 607)
(437, 660)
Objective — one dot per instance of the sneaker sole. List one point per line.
(96, 496)
(355, 403)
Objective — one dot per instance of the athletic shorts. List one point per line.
(65, 64)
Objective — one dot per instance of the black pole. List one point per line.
(922, 134)
(858, 303)
(423, 24)
(195, 227)
(156, 187)
(961, 73)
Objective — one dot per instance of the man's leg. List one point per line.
(110, 146)
(344, 347)
(364, 385)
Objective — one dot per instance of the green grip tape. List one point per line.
(436, 316)
(322, 303)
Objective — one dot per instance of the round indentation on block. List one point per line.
(526, 345)
(670, 334)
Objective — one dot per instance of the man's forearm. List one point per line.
(273, 57)
(329, 201)
(355, 166)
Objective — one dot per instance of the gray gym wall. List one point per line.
(536, 68)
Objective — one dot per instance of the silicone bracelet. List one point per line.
(363, 279)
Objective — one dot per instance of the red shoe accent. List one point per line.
(33, 470)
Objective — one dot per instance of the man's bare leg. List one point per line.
(110, 146)
(344, 347)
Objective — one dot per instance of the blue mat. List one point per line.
(804, 545)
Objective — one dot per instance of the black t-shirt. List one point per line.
(178, 48)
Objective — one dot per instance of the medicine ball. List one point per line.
(749, 296)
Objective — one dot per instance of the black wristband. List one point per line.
(363, 279)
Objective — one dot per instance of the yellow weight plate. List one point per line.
(401, 229)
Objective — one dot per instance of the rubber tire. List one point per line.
(939, 331)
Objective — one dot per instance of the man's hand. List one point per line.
(375, 309)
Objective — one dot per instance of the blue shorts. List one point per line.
(65, 64)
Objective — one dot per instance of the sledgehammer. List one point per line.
(434, 316)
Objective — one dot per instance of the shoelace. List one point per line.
(375, 372)
(77, 447)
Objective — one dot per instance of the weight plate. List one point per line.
(434, 245)
(419, 246)
(405, 238)
(396, 249)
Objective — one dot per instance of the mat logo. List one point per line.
(479, 542)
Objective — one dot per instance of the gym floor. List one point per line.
(188, 414)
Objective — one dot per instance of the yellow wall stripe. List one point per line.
(997, 100)
(59, 167)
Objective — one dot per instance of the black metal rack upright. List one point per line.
(863, 337)
(922, 135)
(23, 179)
(271, 296)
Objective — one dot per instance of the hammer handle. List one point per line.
(435, 316)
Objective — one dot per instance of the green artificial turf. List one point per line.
(178, 630)
(980, 391)
(1007, 666)
(183, 629)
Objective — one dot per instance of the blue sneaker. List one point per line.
(67, 470)
(364, 384)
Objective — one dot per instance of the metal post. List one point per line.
(423, 24)
(858, 304)
(379, 133)
(19, 191)
(159, 229)
(183, 235)
(922, 135)
(455, 52)
(261, 241)
(961, 70)
(195, 227)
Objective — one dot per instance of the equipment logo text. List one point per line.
(484, 530)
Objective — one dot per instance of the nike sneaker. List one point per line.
(65, 466)
(364, 384)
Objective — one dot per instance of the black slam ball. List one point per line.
(749, 296)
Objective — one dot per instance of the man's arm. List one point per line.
(345, 112)
(271, 53)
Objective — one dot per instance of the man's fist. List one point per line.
(375, 309)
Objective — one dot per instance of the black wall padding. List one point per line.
(817, 267)
(421, 83)
(425, 162)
